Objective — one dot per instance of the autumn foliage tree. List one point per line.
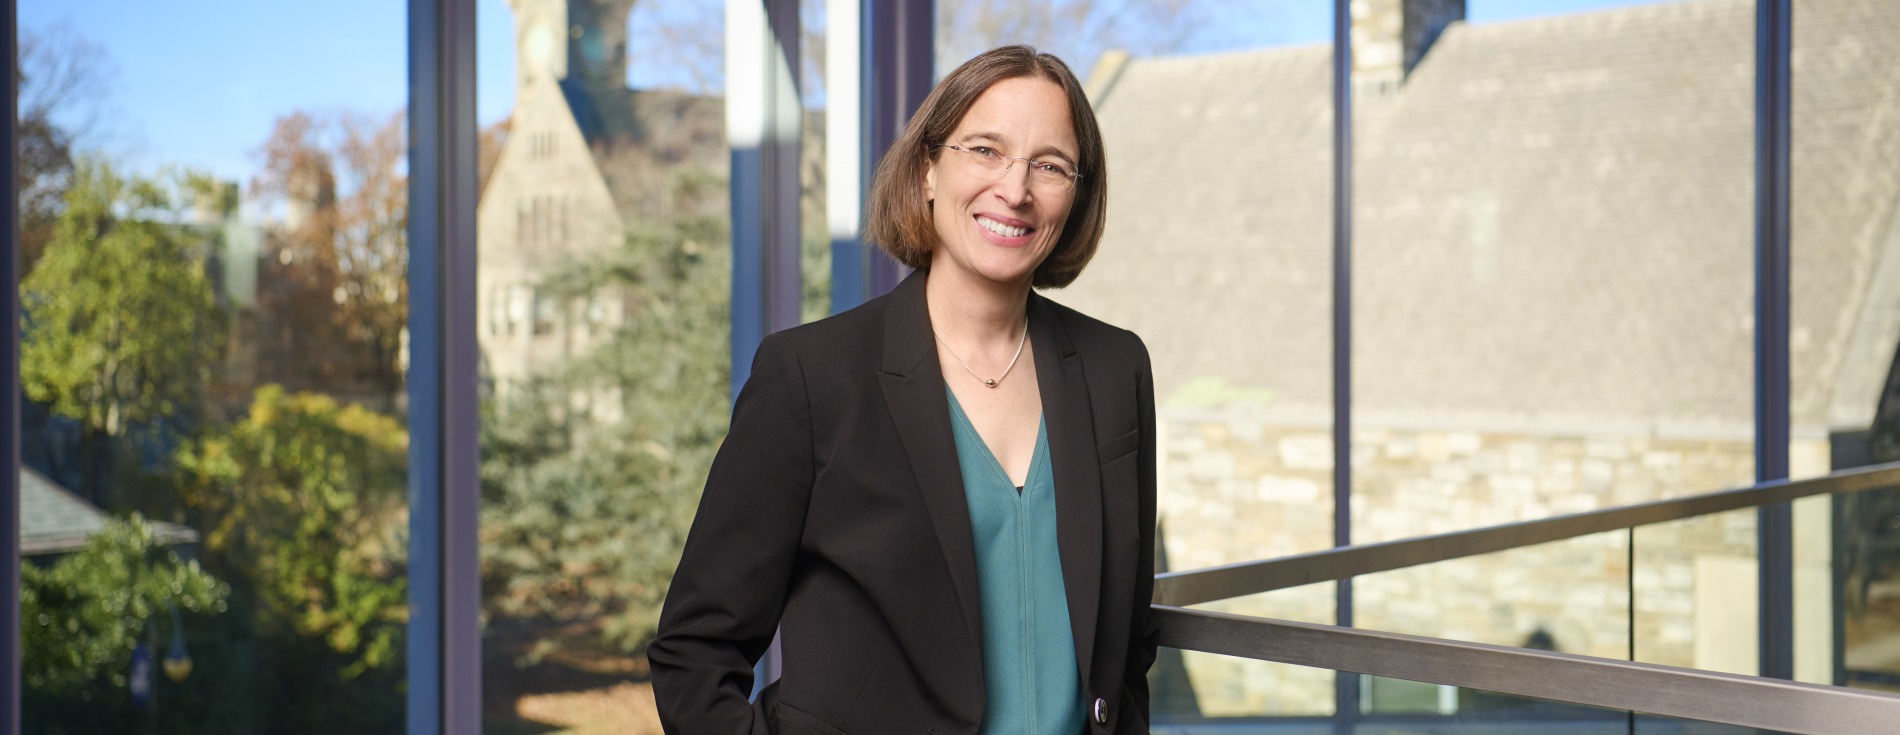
(62, 79)
(337, 259)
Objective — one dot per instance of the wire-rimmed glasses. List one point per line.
(1047, 177)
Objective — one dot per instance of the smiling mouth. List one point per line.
(1000, 228)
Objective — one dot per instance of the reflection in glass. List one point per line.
(1400, 707)
(1570, 596)
(604, 274)
(214, 511)
(1190, 685)
(1695, 583)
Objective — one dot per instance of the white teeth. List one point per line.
(1000, 228)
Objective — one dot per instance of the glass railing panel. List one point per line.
(1570, 596)
(1191, 684)
(1695, 583)
(1866, 590)
(1391, 706)
(214, 495)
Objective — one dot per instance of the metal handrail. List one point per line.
(1746, 701)
(1197, 586)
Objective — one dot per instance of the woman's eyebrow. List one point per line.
(1003, 140)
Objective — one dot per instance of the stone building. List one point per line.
(586, 158)
(1553, 310)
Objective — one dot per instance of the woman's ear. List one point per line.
(930, 181)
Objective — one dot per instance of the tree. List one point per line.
(584, 512)
(337, 264)
(81, 617)
(301, 503)
(61, 79)
(120, 324)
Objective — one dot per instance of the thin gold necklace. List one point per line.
(989, 382)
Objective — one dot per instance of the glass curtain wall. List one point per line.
(1844, 337)
(1553, 313)
(604, 290)
(1217, 119)
(213, 484)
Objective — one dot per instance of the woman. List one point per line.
(944, 499)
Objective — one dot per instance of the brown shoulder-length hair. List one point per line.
(897, 217)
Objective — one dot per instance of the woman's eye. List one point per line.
(1050, 168)
(984, 151)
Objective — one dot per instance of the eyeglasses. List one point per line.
(1048, 177)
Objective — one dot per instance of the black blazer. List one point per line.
(835, 512)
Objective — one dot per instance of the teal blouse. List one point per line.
(1029, 668)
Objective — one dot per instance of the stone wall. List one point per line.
(1237, 487)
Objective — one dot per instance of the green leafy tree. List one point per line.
(81, 617)
(121, 324)
(301, 503)
(584, 511)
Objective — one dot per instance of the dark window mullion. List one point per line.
(1775, 530)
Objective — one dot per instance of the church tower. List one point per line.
(581, 46)
(547, 201)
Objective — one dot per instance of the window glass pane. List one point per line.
(604, 274)
(1191, 686)
(1570, 596)
(214, 492)
(1553, 263)
(1553, 304)
(1695, 593)
(1844, 337)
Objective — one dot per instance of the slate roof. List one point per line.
(1553, 219)
(55, 521)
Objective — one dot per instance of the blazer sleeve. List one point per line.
(729, 590)
(1143, 633)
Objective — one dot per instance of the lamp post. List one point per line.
(177, 662)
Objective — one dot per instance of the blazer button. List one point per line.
(1101, 711)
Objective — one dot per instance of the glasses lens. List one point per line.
(987, 159)
(1050, 177)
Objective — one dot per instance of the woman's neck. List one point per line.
(978, 314)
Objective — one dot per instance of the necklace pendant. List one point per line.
(991, 382)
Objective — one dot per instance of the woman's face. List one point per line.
(991, 224)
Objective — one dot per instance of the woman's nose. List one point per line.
(1013, 188)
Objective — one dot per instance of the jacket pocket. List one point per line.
(794, 721)
(1118, 447)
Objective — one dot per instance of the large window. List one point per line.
(214, 473)
(1553, 310)
(1550, 241)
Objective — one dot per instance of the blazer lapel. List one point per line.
(913, 389)
(1071, 426)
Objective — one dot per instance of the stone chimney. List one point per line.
(1390, 37)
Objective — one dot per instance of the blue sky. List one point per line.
(199, 82)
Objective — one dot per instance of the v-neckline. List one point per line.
(1036, 450)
